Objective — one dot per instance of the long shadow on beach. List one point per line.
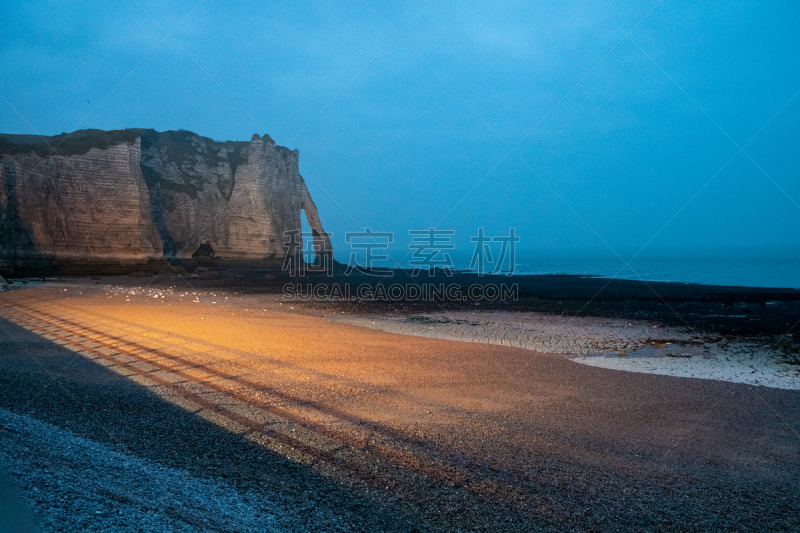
(555, 492)
(50, 383)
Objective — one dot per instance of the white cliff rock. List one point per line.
(133, 196)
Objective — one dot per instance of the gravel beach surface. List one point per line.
(121, 492)
(621, 344)
(216, 411)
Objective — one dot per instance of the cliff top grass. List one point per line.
(75, 143)
(177, 142)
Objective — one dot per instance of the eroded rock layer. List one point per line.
(137, 196)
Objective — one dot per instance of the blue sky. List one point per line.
(598, 125)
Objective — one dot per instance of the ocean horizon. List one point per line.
(770, 269)
(756, 272)
(755, 267)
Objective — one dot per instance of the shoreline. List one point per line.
(724, 310)
(630, 342)
(626, 345)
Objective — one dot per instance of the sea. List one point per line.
(745, 268)
(772, 267)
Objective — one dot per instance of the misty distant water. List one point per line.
(751, 272)
(758, 268)
(775, 267)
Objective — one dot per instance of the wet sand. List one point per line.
(438, 434)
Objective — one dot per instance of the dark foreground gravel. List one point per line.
(92, 451)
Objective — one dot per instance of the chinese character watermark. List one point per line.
(483, 254)
(368, 241)
(430, 250)
(294, 260)
(428, 246)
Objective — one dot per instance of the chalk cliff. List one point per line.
(128, 197)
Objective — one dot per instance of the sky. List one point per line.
(610, 126)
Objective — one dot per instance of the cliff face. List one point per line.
(76, 207)
(138, 195)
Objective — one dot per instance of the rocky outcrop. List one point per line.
(134, 196)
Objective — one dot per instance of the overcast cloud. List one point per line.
(585, 124)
